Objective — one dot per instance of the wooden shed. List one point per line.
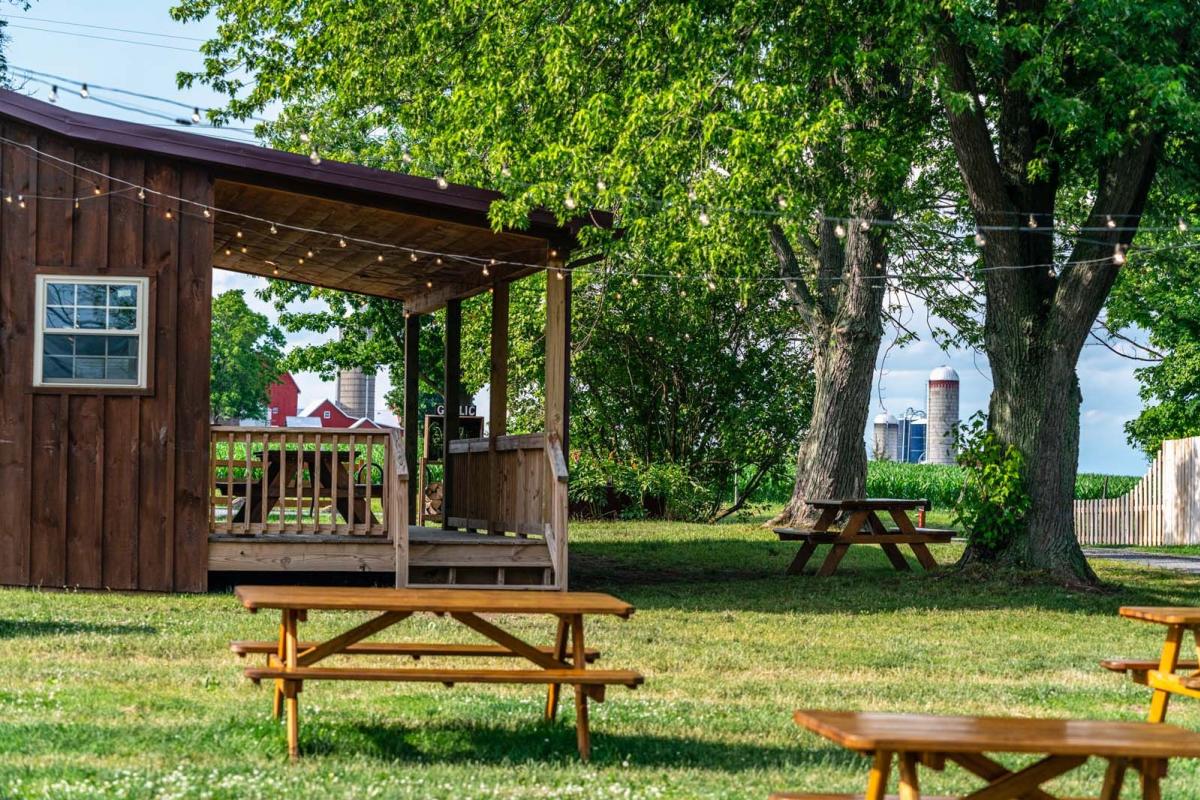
(111, 475)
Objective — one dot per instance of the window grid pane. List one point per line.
(79, 351)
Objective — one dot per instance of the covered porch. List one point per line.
(306, 501)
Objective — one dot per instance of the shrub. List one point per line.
(632, 490)
(994, 500)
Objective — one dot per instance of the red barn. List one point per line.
(284, 400)
(333, 415)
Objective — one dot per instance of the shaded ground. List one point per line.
(1188, 564)
(136, 696)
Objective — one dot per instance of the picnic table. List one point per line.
(1164, 675)
(327, 469)
(863, 525)
(292, 661)
(931, 741)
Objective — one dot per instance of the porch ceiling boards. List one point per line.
(357, 266)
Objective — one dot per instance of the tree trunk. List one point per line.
(833, 458)
(1035, 406)
(845, 322)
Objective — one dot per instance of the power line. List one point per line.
(193, 51)
(102, 27)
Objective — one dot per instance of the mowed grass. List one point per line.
(137, 696)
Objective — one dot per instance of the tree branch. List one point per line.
(813, 309)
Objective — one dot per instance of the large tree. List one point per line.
(1060, 114)
(247, 357)
(737, 131)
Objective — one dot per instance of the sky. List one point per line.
(43, 39)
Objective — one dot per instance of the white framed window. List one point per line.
(91, 331)
(326, 415)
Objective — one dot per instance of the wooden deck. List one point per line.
(435, 556)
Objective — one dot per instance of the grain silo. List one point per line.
(886, 444)
(356, 393)
(941, 416)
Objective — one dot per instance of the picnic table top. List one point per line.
(937, 734)
(868, 503)
(499, 601)
(1164, 615)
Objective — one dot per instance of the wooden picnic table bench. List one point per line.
(931, 741)
(1170, 674)
(863, 525)
(291, 661)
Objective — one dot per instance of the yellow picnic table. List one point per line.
(292, 661)
(1164, 676)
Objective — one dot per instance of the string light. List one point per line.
(442, 183)
(1118, 255)
(704, 220)
(96, 190)
(1182, 225)
(980, 239)
(207, 213)
(379, 258)
(83, 91)
(228, 252)
(341, 242)
(141, 194)
(560, 274)
(569, 202)
(21, 200)
(314, 158)
(239, 234)
(412, 255)
(864, 226)
(1032, 222)
(781, 202)
(196, 115)
(168, 214)
(505, 172)
(309, 253)
(839, 231)
(52, 96)
(77, 202)
(485, 271)
(1109, 221)
(428, 284)
(273, 228)
(601, 185)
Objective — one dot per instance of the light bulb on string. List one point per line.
(412, 255)
(21, 200)
(1182, 225)
(442, 183)
(305, 138)
(228, 252)
(704, 218)
(428, 284)
(96, 190)
(53, 95)
(438, 261)
(560, 274)
(864, 226)
(77, 202)
(314, 158)
(239, 234)
(196, 116)
(601, 185)
(300, 261)
(712, 285)
(168, 214)
(245, 249)
(980, 239)
(141, 193)
(1118, 255)
(839, 231)
(634, 280)
(1032, 222)
(273, 228)
(341, 242)
(8, 198)
(309, 253)
(379, 258)
(781, 202)
(207, 213)
(83, 91)
(1109, 221)
(485, 271)
(406, 157)
(505, 172)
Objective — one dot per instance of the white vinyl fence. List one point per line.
(1163, 509)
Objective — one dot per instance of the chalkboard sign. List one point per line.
(469, 427)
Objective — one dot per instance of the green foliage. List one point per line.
(994, 499)
(1160, 296)
(247, 357)
(633, 490)
(942, 484)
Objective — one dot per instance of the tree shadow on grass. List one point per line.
(26, 628)
(749, 574)
(455, 743)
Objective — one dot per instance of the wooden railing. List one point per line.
(397, 505)
(515, 485)
(306, 481)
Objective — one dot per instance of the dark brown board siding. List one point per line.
(104, 489)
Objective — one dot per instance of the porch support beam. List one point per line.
(412, 383)
(452, 394)
(498, 386)
(558, 352)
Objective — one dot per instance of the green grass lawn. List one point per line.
(132, 696)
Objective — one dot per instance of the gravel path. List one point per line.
(1186, 564)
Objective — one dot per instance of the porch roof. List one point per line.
(405, 237)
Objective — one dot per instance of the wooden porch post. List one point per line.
(498, 384)
(558, 352)
(412, 373)
(451, 393)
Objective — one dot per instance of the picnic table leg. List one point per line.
(1152, 770)
(291, 689)
(802, 556)
(832, 559)
(923, 555)
(1114, 779)
(910, 785)
(878, 778)
(560, 652)
(281, 653)
(582, 734)
(1167, 663)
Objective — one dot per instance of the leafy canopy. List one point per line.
(247, 357)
